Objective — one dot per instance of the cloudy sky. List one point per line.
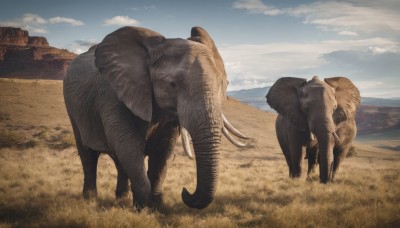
(259, 40)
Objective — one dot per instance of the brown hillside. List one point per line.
(31, 57)
(376, 119)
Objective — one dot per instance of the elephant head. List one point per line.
(316, 107)
(182, 77)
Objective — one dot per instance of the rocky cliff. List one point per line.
(24, 56)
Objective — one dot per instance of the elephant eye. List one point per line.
(172, 84)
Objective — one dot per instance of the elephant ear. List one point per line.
(123, 58)
(283, 97)
(200, 35)
(347, 98)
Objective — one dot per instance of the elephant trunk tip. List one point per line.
(194, 201)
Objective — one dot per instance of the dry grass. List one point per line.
(41, 186)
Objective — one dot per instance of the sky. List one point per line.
(260, 41)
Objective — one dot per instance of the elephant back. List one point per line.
(81, 67)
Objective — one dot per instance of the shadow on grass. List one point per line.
(21, 214)
(259, 209)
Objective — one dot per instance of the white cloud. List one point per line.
(32, 19)
(345, 18)
(348, 18)
(31, 22)
(80, 46)
(35, 29)
(256, 65)
(348, 33)
(369, 84)
(369, 46)
(78, 51)
(256, 6)
(37, 24)
(59, 20)
(121, 21)
(372, 88)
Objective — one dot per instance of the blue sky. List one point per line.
(259, 40)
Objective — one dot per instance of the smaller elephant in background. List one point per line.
(318, 115)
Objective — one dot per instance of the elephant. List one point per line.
(318, 115)
(133, 94)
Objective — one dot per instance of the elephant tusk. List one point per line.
(186, 142)
(233, 130)
(231, 139)
(337, 139)
(312, 136)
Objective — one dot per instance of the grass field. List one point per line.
(41, 177)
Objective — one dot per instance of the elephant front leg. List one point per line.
(312, 156)
(297, 156)
(159, 148)
(129, 152)
(346, 135)
(122, 188)
(339, 154)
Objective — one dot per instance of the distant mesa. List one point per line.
(30, 57)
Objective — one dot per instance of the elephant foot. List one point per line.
(156, 201)
(123, 186)
(295, 175)
(121, 194)
(122, 191)
(141, 201)
(89, 194)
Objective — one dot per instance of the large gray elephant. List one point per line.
(131, 94)
(318, 115)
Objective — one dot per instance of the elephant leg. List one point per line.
(89, 159)
(339, 154)
(312, 155)
(286, 153)
(122, 182)
(130, 154)
(131, 158)
(346, 134)
(297, 156)
(159, 148)
(125, 135)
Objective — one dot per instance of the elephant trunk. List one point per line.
(326, 144)
(206, 137)
(207, 154)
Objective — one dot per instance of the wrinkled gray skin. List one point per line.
(129, 95)
(326, 109)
